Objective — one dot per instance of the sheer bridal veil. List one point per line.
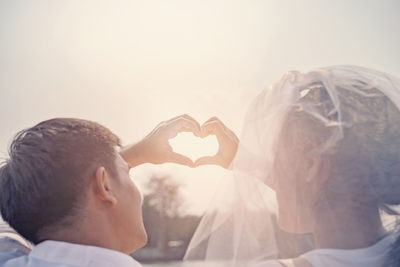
(271, 202)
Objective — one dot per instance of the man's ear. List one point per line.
(102, 185)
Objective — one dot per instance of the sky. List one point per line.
(131, 64)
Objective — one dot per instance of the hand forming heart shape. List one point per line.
(156, 149)
(227, 144)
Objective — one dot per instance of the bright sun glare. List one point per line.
(194, 147)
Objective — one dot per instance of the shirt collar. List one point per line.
(81, 255)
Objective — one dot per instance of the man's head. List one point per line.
(63, 173)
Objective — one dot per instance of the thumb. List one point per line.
(180, 159)
(207, 160)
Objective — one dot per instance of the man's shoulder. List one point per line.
(12, 242)
(12, 245)
(12, 250)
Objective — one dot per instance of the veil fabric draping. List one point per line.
(240, 226)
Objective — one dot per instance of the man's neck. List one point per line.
(89, 231)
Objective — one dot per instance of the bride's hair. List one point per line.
(365, 161)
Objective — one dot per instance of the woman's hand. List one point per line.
(228, 143)
(155, 148)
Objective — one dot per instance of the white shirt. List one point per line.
(372, 256)
(62, 254)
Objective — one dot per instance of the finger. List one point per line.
(211, 119)
(177, 117)
(183, 125)
(195, 123)
(216, 126)
(191, 119)
(180, 159)
(207, 160)
(218, 121)
(187, 117)
(213, 127)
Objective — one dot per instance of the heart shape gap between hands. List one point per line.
(194, 147)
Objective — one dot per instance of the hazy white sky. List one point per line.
(131, 64)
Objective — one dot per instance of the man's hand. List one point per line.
(228, 143)
(155, 148)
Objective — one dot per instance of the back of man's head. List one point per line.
(44, 182)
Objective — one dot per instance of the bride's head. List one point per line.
(328, 143)
(337, 152)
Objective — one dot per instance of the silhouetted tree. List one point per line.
(165, 221)
(164, 197)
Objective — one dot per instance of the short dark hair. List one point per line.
(45, 178)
